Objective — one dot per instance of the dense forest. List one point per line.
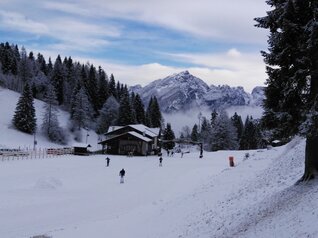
(93, 99)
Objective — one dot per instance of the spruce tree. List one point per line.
(168, 137)
(50, 124)
(82, 110)
(108, 115)
(24, 118)
(238, 123)
(292, 56)
(139, 110)
(57, 79)
(125, 113)
(195, 133)
(153, 115)
(224, 136)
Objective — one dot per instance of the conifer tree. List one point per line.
(292, 91)
(50, 124)
(24, 118)
(57, 79)
(139, 110)
(112, 86)
(195, 133)
(224, 136)
(81, 110)
(168, 137)
(153, 115)
(238, 124)
(125, 113)
(108, 115)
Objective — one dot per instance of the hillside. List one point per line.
(73, 196)
(14, 139)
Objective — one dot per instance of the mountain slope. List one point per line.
(183, 91)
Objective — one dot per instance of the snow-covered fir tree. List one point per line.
(195, 133)
(168, 136)
(292, 59)
(224, 136)
(206, 133)
(82, 110)
(50, 125)
(24, 117)
(125, 112)
(108, 115)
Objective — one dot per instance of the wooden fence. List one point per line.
(41, 153)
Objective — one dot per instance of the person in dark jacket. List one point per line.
(107, 161)
(160, 161)
(122, 175)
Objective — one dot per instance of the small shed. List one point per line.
(81, 149)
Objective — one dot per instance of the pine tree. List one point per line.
(238, 123)
(24, 118)
(139, 110)
(125, 114)
(57, 79)
(153, 114)
(292, 68)
(168, 136)
(50, 124)
(81, 110)
(103, 88)
(206, 134)
(112, 86)
(251, 136)
(224, 136)
(25, 70)
(195, 133)
(108, 115)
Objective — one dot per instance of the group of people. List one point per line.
(123, 172)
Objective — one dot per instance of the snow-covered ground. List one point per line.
(188, 197)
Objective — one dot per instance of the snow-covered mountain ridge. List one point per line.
(183, 91)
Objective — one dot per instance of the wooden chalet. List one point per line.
(135, 139)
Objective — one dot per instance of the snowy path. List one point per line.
(189, 197)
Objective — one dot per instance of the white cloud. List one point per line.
(17, 21)
(239, 69)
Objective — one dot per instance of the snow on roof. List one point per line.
(140, 127)
(149, 131)
(80, 145)
(133, 133)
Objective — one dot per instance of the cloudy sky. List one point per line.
(143, 40)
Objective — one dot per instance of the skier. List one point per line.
(160, 161)
(107, 161)
(122, 174)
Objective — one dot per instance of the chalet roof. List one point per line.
(152, 132)
(83, 145)
(133, 133)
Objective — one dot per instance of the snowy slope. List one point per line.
(79, 197)
(12, 138)
(73, 196)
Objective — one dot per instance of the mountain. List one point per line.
(183, 91)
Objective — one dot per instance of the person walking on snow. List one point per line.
(160, 161)
(122, 174)
(107, 161)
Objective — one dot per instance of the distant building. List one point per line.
(131, 139)
(81, 149)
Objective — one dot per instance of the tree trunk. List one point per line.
(311, 158)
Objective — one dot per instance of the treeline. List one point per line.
(94, 100)
(222, 132)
